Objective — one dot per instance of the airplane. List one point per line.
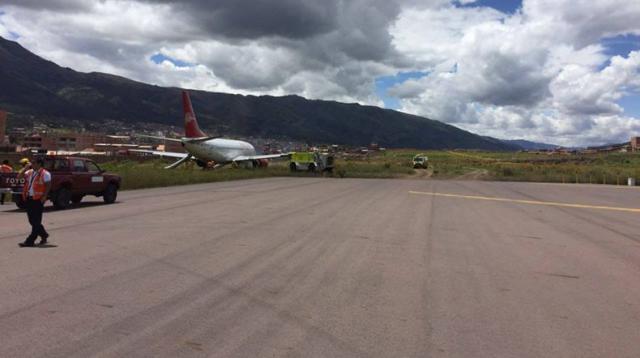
(204, 149)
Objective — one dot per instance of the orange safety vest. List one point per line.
(5, 169)
(39, 186)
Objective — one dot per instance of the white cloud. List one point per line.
(539, 74)
(579, 90)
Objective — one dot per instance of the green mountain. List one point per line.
(32, 86)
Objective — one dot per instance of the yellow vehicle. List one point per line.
(311, 161)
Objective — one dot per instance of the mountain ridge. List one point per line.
(529, 145)
(41, 88)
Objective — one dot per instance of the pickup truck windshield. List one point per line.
(56, 165)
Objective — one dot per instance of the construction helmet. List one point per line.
(24, 161)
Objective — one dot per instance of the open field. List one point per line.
(609, 168)
(613, 169)
(151, 174)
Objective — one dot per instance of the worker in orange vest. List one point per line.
(34, 193)
(5, 167)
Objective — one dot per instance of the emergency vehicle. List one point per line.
(312, 162)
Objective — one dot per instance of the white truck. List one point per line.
(420, 161)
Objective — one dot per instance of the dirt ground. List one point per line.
(421, 174)
(478, 174)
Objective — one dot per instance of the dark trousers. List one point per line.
(35, 208)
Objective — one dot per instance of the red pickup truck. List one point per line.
(71, 179)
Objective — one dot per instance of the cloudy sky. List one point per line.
(559, 71)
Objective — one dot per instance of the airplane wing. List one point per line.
(242, 158)
(188, 140)
(161, 154)
(159, 138)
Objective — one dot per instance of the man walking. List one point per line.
(35, 191)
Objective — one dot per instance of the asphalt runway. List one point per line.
(311, 267)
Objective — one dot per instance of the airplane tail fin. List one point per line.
(191, 128)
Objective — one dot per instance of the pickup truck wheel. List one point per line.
(76, 199)
(62, 199)
(293, 167)
(110, 194)
(312, 168)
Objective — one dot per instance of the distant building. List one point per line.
(62, 141)
(635, 144)
(35, 141)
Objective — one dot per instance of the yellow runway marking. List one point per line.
(531, 202)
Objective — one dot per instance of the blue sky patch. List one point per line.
(631, 105)
(159, 58)
(506, 6)
(384, 83)
(621, 45)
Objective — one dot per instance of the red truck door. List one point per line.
(96, 179)
(81, 177)
(59, 168)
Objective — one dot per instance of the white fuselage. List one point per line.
(220, 150)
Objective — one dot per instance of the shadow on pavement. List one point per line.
(36, 246)
(46, 246)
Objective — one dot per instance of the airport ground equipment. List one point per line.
(72, 178)
(312, 162)
(420, 161)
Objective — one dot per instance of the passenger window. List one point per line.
(62, 165)
(92, 167)
(49, 164)
(78, 166)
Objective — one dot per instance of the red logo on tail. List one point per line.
(191, 128)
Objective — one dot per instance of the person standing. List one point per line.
(5, 167)
(35, 192)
